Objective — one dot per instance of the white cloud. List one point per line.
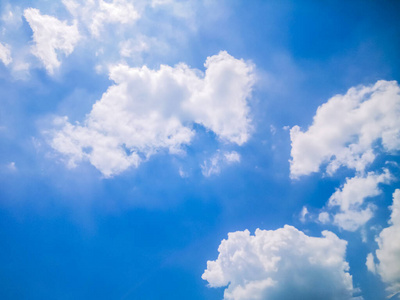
(220, 104)
(96, 13)
(388, 253)
(303, 214)
(350, 199)
(346, 128)
(213, 165)
(146, 111)
(5, 54)
(281, 264)
(51, 35)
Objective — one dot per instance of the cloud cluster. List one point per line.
(146, 111)
(51, 36)
(96, 13)
(351, 199)
(346, 129)
(106, 29)
(388, 253)
(281, 264)
(350, 130)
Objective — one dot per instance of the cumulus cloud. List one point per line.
(346, 129)
(213, 165)
(388, 253)
(96, 13)
(281, 264)
(5, 54)
(351, 198)
(146, 111)
(51, 36)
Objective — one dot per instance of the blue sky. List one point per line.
(143, 143)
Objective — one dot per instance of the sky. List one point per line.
(198, 149)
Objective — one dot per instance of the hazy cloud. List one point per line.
(5, 54)
(213, 165)
(96, 13)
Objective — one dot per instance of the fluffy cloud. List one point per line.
(96, 13)
(213, 165)
(51, 35)
(5, 54)
(346, 128)
(351, 198)
(388, 253)
(146, 111)
(281, 264)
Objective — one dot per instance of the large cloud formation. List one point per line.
(51, 35)
(346, 128)
(281, 264)
(388, 253)
(149, 110)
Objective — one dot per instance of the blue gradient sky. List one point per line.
(147, 233)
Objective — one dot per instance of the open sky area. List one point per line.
(200, 149)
